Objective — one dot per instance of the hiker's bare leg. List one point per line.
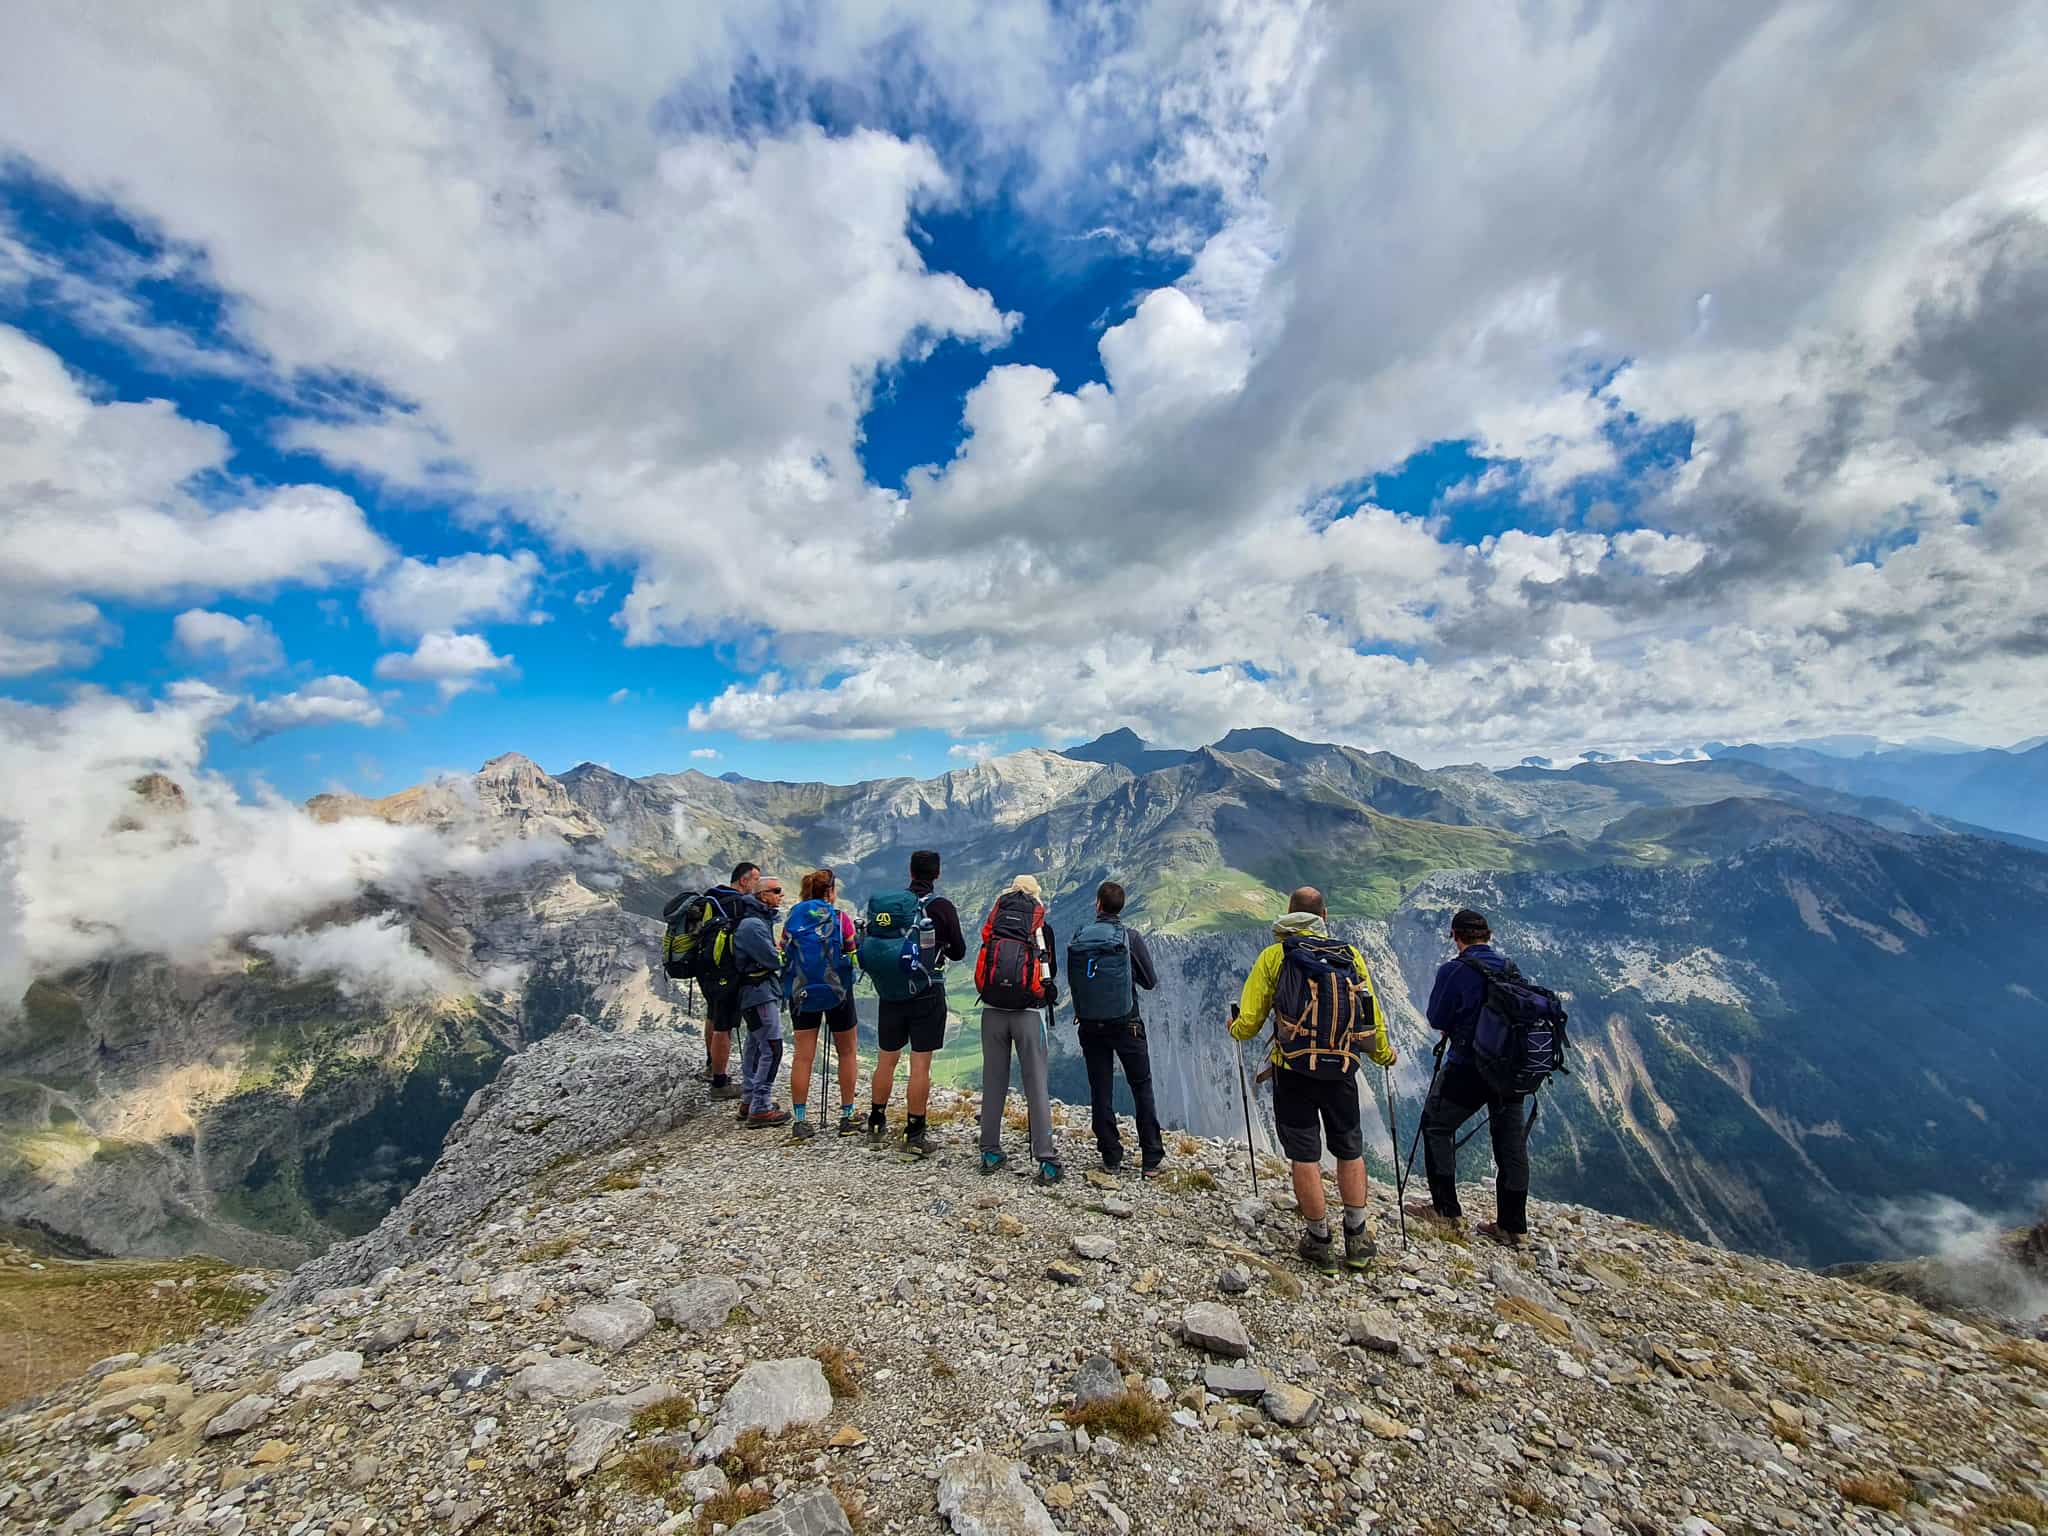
(1308, 1190)
(920, 1082)
(718, 1050)
(800, 1069)
(1351, 1181)
(885, 1079)
(849, 1064)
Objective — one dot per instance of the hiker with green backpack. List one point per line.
(1327, 1019)
(1107, 965)
(1014, 975)
(698, 947)
(910, 936)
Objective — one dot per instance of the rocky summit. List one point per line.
(627, 1314)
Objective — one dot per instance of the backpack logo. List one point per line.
(1009, 970)
(1322, 1008)
(1519, 1039)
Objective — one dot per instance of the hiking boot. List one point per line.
(1318, 1252)
(767, 1117)
(848, 1125)
(744, 1112)
(992, 1162)
(1049, 1174)
(1113, 1162)
(917, 1143)
(1494, 1232)
(803, 1130)
(878, 1132)
(1359, 1249)
(725, 1090)
(1149, 1171)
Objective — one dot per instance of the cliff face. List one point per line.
(704, 1323)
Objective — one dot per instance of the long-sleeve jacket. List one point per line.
(1260, 987)
(1458, 995)
(945, 921)
(757, 954)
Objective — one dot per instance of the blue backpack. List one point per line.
(815, 975)
(1518, 1039)
(1099, 974)
(900, 950)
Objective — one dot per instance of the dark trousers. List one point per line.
(1461, 1093)
(1102, 1047)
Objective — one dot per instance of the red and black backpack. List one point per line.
(1008, 972)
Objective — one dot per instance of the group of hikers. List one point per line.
(1500, 1034)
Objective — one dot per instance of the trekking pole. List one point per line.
(1394, 1146)
(1408, 1167)
(1244, 1088)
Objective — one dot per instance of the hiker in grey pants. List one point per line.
(1002, 1028)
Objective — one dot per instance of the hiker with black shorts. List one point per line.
(1327, 1019)
(817, 975)
(720, 987)
(1107, 966)
(910, 937)
(1460, 1092)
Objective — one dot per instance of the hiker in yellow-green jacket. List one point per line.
(1327, 1019)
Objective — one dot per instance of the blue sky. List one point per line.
(853, 394)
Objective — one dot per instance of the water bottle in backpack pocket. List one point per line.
(1099, 981)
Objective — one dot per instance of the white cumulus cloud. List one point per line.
(238, 645)
(332, 700)
(454, 663)
(414, 597)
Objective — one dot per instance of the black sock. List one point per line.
(720, 1080)
(914, 1126)
(878, 1114)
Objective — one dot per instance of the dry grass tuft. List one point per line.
(940, 1366)
(1186, 1145)
(1184, 1181)
(854, 1505)
(747, 1458)
(553, 1248)
(619, 1181)
(2008, 1508)
(659, 1418)
(1017, 1118)
(1130, 1417)
(1886, 1493)
(729, 1509)
(1523, 1497)
(653, 1469)
(840, 1368)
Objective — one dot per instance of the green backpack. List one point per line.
(900, 948)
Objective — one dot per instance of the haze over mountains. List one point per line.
(1789, 1006)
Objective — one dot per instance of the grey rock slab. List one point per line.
(1234, 1280)
(984, 1495)
(814, 1512)
(612, 1325)
(475, 1378)
(239, 1415)
(699, 1305)
(569, 1381)
(1374, 1329)
(770, 1395)
(1236, 1381)
(334, 1369)
(1048, 1442)
(587, 1447)
(379, 1338)
(1090, 1245)
(620, 1409)
(1098, 1381)
(1290, 1406)
(1216, 1328)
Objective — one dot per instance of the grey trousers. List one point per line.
(1002, 1028)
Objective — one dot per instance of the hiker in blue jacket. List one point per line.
(759, 962)
(1455, 1002)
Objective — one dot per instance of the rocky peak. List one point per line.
(703, 1326)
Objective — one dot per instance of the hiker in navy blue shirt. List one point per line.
(1459, 1093)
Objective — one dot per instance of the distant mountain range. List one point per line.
(1795, 1000)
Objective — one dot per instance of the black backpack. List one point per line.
(1322, 1008)
(1010, 972)
(698, 943)
(1519, 1038)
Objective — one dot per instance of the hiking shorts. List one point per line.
(1307, 1111)
(723, 1011)
(918, 1022)
(841, 1018)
